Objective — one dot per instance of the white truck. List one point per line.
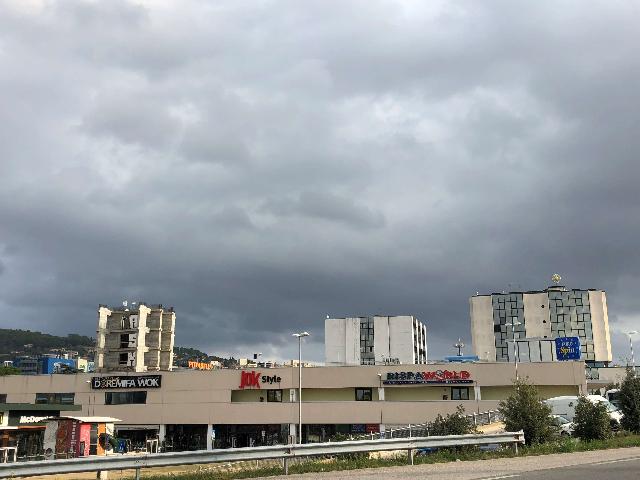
(566, 407)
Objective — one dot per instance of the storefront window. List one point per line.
(459, 393)
(55, 398)
(123, 398)
(363, 394)
(274, 395)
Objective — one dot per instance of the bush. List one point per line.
(453, 424)
(630, 402)
(9, 371)
(592, 421)
(524, 410)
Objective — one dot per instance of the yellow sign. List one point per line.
(200, 365)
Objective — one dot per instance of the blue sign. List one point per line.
(568, 348)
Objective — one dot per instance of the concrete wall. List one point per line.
(536, 315)
(401, 339)
(600, 326)
(482, 336)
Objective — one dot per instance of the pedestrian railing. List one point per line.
(284, 452)
(422, 429)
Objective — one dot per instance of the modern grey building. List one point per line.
(136, 339)
(376, 340)
(535, 319)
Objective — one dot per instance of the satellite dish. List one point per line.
(555, 278)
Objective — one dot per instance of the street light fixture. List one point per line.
(513, 326)
(633, 360)
(300, 335)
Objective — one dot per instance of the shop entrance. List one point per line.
(185, 437)
(237, 436)
(136, 436)
(29, 442)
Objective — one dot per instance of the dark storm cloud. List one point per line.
(260, 166)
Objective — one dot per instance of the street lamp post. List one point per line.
(515, 345)
(633, 360)
(300, 335)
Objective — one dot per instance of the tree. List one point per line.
(524, 410)
(9, 371)
(453, 424)
(592, 421)
(630, 402)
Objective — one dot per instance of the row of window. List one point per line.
(110, 398)
(129, 398)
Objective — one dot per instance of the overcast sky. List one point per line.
(260, 165)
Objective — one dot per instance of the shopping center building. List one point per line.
(190, 409)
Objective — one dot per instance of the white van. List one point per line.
(566, 407)
(613, 396)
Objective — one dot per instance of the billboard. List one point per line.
(567, 348)
(57, 365)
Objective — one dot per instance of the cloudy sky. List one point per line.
(260, 165)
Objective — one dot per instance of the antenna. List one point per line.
(459, 345)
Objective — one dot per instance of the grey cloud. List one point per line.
(261, 166)
(327, 206)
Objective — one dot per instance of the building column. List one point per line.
(292, 432)
(210, 437)
(476, 392)
(162, 433)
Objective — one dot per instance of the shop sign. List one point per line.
(200, 365)
(372, 428)
(17, 418)
(421, 378)
(125, 381)
(254, 380)
(568, 348)
(358, 428)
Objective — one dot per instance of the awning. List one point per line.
(121, 428)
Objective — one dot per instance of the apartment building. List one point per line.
(375, 340)
(136, 339)
(533, 320)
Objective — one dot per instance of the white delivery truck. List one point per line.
(566, 407)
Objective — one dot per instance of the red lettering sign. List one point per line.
(249, 379)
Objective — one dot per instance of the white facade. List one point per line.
(375, 340)
(137, 340)
(540, 317)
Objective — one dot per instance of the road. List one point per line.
(617, 464)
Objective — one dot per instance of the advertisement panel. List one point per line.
(126, 381)
(568, 348)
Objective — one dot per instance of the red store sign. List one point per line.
(418, 378)
(254, 380)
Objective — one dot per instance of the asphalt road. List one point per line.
(626, 469)
(615, 464)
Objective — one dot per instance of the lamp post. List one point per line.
(300, 335)
(515, 345)
(633, 360)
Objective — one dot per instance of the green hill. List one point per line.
(28, 342)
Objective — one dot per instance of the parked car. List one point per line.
(566, 407)
(564, 425)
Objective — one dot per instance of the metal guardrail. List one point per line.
(285, 452)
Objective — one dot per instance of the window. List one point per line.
(274, 395)
(55, 398)
(122, 359)
(459, 393)
(123, 398)
(3, 398)
(124, 341)
(363, 394)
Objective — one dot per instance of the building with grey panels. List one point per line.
(539, 318)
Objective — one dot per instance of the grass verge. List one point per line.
(358, 461)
